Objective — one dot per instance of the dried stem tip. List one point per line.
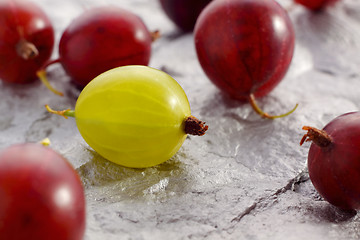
(194, 126)
(319, 137)
(26, 49)
(155, 35)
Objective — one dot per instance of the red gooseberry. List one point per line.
(100, 39)
(334, 160)
(316, 5)
(41, 195)
(245, 47)
(183, 13)
(26, 40)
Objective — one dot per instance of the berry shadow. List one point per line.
(329, 213)
(174, 34)
(220, 105)
(220, 100)
(120, 183)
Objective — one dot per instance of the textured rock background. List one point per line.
(246, 178)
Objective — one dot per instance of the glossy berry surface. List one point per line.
(244, 46)
(103, 38)
(316, 4)
(41, 196)
(26, 41)
(334, 165)
(133, 116)
(184, 13)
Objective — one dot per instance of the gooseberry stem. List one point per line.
(26, 49)
(42, 76)
(65, 113)
(155, 35)
(263, 114)
(319, 137)
(194, 126)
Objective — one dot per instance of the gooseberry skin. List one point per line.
(103, 38)
(244, 46)
(133, 116)
(23, 20)
(316, 5)
(184, 13)
(335, 169)
(41, 196)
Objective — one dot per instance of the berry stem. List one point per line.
(42, 76)
(263, 114)
(65, 113)
(194, 126)
(51, 62)
(319, 137)
(155, 35)
(26, 50)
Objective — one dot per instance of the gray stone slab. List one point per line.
(246, 178)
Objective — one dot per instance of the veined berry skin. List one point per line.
(254, 50)
(133, 116)
(335, 169)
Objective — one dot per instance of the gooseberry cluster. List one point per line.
(248, 60)
(133, 115)
(100, 39)
(137, 116)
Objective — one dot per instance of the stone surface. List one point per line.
(246, 178)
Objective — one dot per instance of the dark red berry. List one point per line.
(334, 160)
(244, 46)
(184, 13)
(26, 41)
(41, 195)
(101, 39)
(316, 5)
